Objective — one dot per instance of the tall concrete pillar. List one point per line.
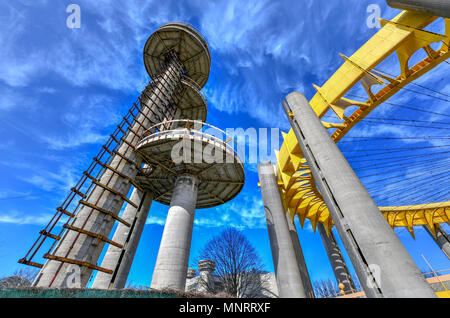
(336, 259)
(85, 248)
(287, 272)
(120, 259)
(173, 256)
(306, 280)
(442, 239)
(383, 266)
(440, 8)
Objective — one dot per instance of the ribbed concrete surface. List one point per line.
(306, 280)
(85, 248)
(368, 238)
(120, 259)
(287, 271)
(440, 8)
(173, 255)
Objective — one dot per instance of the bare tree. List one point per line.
(326, 288)
(239, 270)
(133, 286)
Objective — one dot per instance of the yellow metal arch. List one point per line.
(405, 36)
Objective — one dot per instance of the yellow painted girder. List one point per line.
(422, 214)
(403, 35)
(385, 42)
(301, 197)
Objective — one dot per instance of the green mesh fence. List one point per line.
(84, 293)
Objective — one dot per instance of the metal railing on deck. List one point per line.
(194, 127)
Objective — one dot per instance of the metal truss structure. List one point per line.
(404, 35)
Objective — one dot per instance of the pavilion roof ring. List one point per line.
(188, 45)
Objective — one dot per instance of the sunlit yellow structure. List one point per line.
(404, 35)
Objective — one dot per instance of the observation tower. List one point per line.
(162, 151)
(190, 168)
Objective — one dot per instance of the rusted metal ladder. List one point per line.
(91, 177)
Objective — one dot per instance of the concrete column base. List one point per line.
(306, 280)
(287, 272)
(120, 259)
(173, 256)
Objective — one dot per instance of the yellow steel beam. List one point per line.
(404, 35)
(301, 197)
(423, 214)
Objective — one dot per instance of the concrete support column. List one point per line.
(84, 248)
(306, 280)
(287, 272)
(383, 266)
(120, 259)
(173, 256)
(336, 259)
(440, 8)
(442, 239)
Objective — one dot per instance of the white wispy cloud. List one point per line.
(155, 220)
(246, 212)
(262, 43)
(84, 120)
(62, 180)
(11, 194)
(22, 219)
(10, 99)
(82, 56)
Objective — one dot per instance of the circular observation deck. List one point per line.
(212, 160)
(190, 47)
(192, 102)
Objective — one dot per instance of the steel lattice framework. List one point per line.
(404, 35)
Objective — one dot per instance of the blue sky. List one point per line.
(62, 91)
